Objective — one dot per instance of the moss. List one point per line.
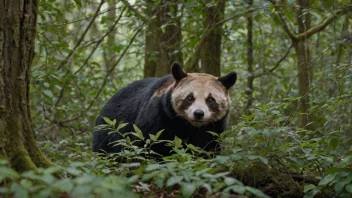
(270, 181)
(15, 150)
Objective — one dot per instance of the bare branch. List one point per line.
(138, 14)
(82, 36)
(283, 20)
(104, 82)
(101, 40)
(277, 64)
(191, 63)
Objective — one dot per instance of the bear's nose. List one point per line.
(198, 114)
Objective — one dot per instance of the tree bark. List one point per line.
(109, 54)
(250, 77)
(305, 69)
(17, 38)
(211, 50)
(163, 38)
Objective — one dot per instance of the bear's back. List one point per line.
(124, 107)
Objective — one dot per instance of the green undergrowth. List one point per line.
(261, 157)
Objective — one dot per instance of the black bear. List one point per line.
(186, 105)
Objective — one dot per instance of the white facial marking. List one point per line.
(200, 85)
(199, 103)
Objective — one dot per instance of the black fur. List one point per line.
(229, 80)
(134, 104)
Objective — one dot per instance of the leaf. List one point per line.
(264, 160)
(339, 186)
(229, 181)
(256, 192)
(138, 133)
(158, 134)
(187, 189)
(120, 126)
(152, 167)
(109, 122)
(308, 187)
(174, 180)
(238, 189)
(48, 93)
(64, 185)
(327, 179)
(349, 188)
(78, 3)
(333, 143)
(8, 173)
(213, 133)
(19, 191)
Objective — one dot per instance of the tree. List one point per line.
(301, 45)
(163, 38)
(17, 38)
(250, 70)
(213, 13)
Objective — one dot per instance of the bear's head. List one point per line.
(201, 98)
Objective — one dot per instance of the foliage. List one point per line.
(70, 82)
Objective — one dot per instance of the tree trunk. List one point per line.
(163, 38)
(110, 54)
(17, 39)
(305, 70)
(250, 77)
(211, 50)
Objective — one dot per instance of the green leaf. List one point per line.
(256, 192)
(339, 186)
(78, 3)
(48, 93)
(187, 189)
(109, 122)
(120, 126)
(309, 187)
(174, 180)
(213, 133)
(327, 179)
(333, 143)
(64, 185)
(349, 188)
(238, 189)
(138, 133)
(264, 160)
(158, 134)
(8, 173)
(152, 167)
(19, 191)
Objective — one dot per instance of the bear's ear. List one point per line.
(229, 80)
(177, 71)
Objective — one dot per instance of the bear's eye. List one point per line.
(190, 98)
(210, 100)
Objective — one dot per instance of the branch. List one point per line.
(324, 24)
(277, 64)
(141, 16)
(283, 20)
(83, 35)
(104, 82)
(101, 40)
(191, 63)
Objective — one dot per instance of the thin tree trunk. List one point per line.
(211, 50)
(163, 38)
(17, 39)
(109, 54)
(250, 77)
(305, 69)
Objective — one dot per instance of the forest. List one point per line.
(289, 125)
